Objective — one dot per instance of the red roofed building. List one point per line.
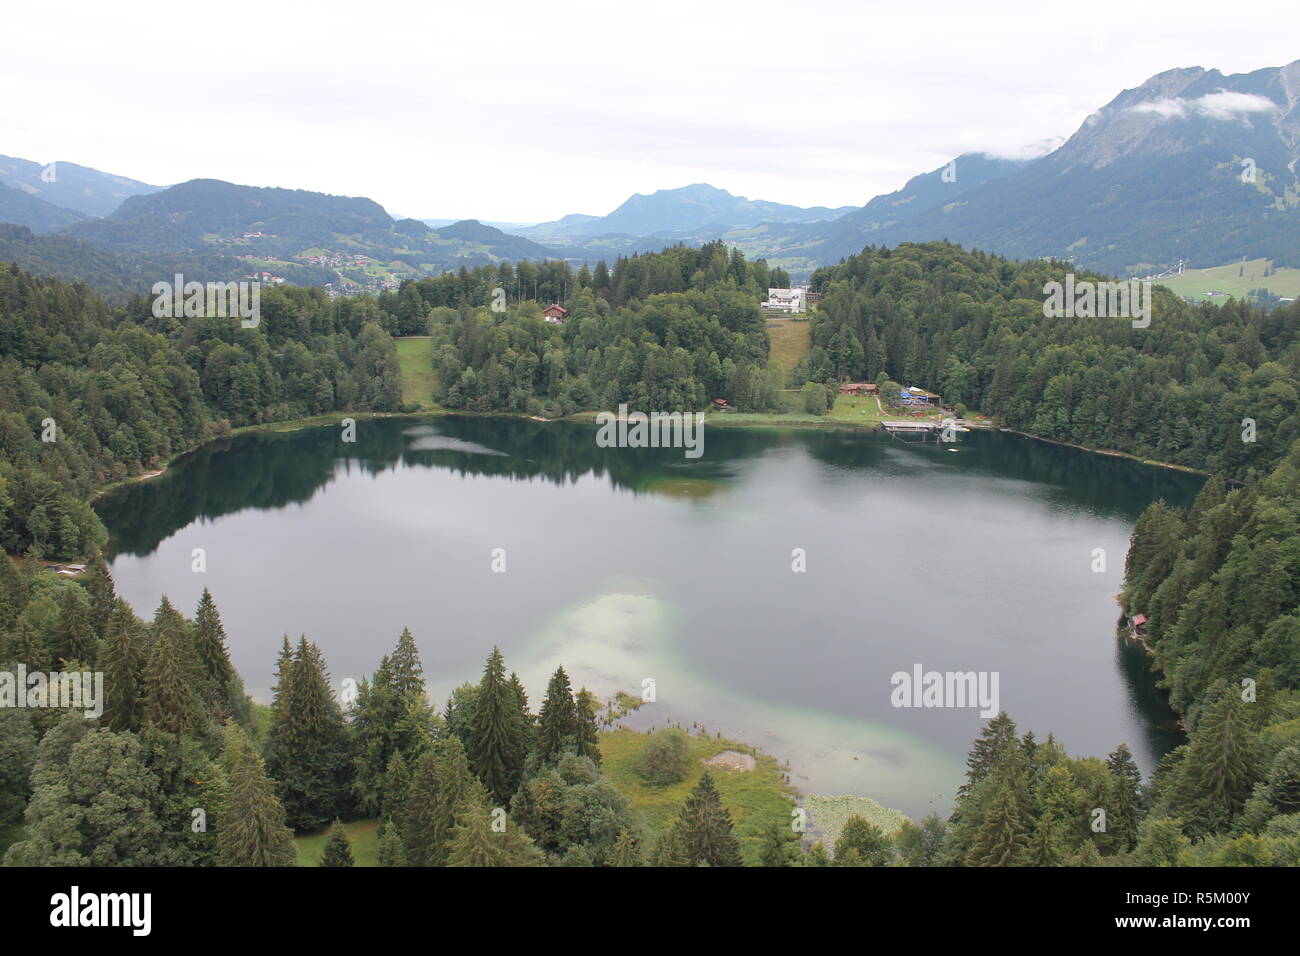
(555, 313)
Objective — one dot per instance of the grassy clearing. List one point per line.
(1196, 283)
(754, 797)
(856, 410)
(827, 816)
(364, 835)
(791, 339)
(415, 356)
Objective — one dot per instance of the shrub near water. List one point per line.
(665, 759)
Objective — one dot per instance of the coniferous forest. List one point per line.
(488, 778)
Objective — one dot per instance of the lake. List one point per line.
(631, 566)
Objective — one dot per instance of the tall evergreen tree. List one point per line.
(210, 641)
(392, 714)
(498, 741)
(587, 727)
(170, 703)
(1001, 839)
(476, 842)
(124, 665)
(74, 637)
(250, 830)
(338, 849)
(557, 721)
(1125, 798)
(306, 746)
(706, 828)
(103, 594)
(626, 851)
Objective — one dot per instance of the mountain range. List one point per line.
(1192, 165)
(673, 212)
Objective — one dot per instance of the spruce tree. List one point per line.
(123, 664)
(1220, 761)
(626, 852)
(439, 784)
(475, 840)
(26, 647)
(1001, 839)
(74, 637)
(338, 849)
(391, 852)
(587, 728)
(670, 850)
(497, 748)
(169, 703)
(13, 593)
(992, 746)
(250, 830)
(778, 845)
(1125, 797)
(99, 585)
(306, 746)
(397, 786)
(706, 828)
(557, 720)
(391, 715)
(210, 641)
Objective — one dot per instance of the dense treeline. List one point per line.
(178, 769)
(970, 326)
(1218, 585)
(666, 331)
(90, 395)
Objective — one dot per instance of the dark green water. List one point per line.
(632, 564)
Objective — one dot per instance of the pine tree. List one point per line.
(706, 828)
(251, 830)
(558, 717)
(123, 664)
(497, 743)
(338, 849)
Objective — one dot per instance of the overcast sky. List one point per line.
(528, 111)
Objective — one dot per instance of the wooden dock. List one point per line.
(895, 425)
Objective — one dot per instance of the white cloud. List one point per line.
(1222, 105)
(1033, 150)
(516, 110)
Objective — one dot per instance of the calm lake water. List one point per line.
(626, 565)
